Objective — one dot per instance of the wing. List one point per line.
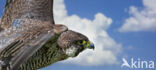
(32, 9)
(25, 35)
(27, 39)
(0, 24)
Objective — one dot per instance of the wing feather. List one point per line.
(28, 50)
(31, 38)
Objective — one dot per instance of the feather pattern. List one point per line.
(32, 9)
(33, 34)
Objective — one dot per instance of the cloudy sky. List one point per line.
(119, 29)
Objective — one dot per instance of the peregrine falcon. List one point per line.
(30, 40)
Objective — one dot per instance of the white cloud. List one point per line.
(106, 48)
(141, 20)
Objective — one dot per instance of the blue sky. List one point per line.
(135, 44)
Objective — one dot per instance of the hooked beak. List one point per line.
(91, 46)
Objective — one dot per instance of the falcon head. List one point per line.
(72, 43)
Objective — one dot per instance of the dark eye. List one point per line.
(81, 42)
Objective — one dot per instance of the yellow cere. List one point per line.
(88, 44)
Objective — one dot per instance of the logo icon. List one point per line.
(125, 63)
